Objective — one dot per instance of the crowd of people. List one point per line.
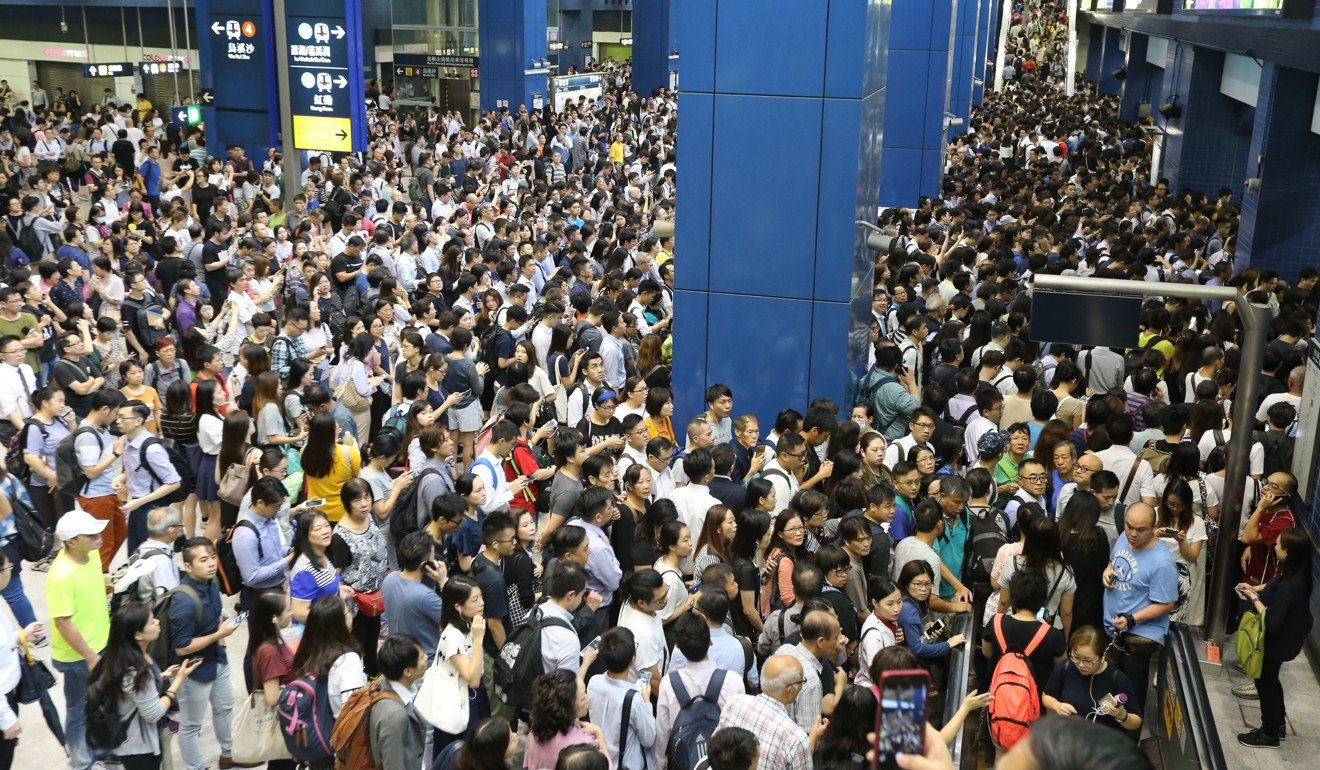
(417, 435)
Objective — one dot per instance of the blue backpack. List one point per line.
(695, 723)
(305, 720)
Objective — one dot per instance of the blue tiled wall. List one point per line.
(1207, 147)
(964, 60)
(652, 41)
(1111, 59)
(512, 34)
(1280, 230)
(376, 14)
(766, 227)
(987, 37)
(920, 47)
(1094, 52)
(1144, 80)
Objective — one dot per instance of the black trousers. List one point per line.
(9, 745)
(140, 762)
(367, 632)
(1270, 690)
(1135, 662)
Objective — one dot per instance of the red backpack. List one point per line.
(1016, 701)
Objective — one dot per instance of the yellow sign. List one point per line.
(311, 132)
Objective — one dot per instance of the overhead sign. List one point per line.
(119, 69)
(239, 38)
(1075, 318)
(161, 67)
(236, 64)
(206, 96)
(401, 71)
(435, 60)
(326, 90)
(188, 115)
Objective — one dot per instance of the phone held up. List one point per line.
(900, 722)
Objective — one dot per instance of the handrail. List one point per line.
(1181, 705)
(960, 666)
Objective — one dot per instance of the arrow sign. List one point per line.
(217, 28)
(341, 82)
(207, 96)
(342, 134)
(338, 32)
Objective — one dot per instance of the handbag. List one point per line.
(234, 483)
(442, 700)
(1250, 643)
(34, 677)
(371, 604)
(348, 395)
(256, 729)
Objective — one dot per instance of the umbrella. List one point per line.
(35, 682)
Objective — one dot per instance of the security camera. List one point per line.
(876, 240)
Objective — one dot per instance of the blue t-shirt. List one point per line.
(490, 578)
(467, 538)
(1141, 578)
(414, 609)
(150, 172)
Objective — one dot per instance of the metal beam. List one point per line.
(1254, 324)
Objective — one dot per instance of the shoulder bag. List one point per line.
(257, 736)
(348, 395)
(442, 700)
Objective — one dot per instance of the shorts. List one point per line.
(467, 418)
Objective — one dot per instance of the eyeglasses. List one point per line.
(921, 585)
(797, 455)
(840, 570)
(797, 683)
(1271, 485)
(793, 530)
(1033, 477)
(1084, 662)
(924, 425)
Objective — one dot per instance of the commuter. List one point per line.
(783, 744)
(329, 652)
(559, 704)
(1078, 686)
(367, 557)
(412, 606)
(312, 576)
(1015, 629)
(394, 730)
(75, 600)
(150, 475)
(99, 456)
(729, 652)
(268, 664)
(33, 632)
(1141, 585)
(628, 726)
(881, 628)
(263, 560)
(1271, 516)
(197, 630)
(821, 641)
(917, 580)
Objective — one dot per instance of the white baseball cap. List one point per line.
(78, 522)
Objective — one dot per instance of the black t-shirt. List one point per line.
(68, 372)
(1018, 635)
(204, 199)
(844, 609)
(345, 264)
(1084, 693)
(595, 434)
(215, 279)
(749, 579)
(622, 534)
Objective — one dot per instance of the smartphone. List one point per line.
(595, 645)
(414, 472)
(554, 424)
(644, 679)
(315, 502)
(238, 619)
(1166, 532)
(935, 630)
(900, 722)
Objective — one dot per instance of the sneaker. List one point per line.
(1246, 691)
(1257, 739)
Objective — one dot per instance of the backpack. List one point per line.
(105, 731)
(30, 242)
(1218, 457)
(403, 516)
(186, 480)
(228, 577)
(989, 531)
(482, 439)
(519, 661)
(1278, 450)
(1132, 362)
(1250, 643)
(34, 541)
(350, 737)
(14, 462)
(1156, 457)
(695, 722)
(129, 587)
(305, 720)
(1016, 701)
(161, 649)
(69, 474)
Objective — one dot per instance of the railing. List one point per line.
(1185, 731)
(960, 668)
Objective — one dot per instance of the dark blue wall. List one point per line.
(1207, 147)
(512, 34)
(920, 48)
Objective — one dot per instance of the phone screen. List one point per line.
(901, 719)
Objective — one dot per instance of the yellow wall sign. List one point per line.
(313, 132)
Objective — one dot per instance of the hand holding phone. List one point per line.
(644, 679)
(238, 619)
(900, 721)
(315, 502)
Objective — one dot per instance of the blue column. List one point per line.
(1095, 50)
(652, 41)
(1279, 230)
(512, 36)
(964, 62)
(751, 292)
(920, 46)
(1111, 60)
(575, 25)
(1207, 147)
(1143, 83)
(987, 37)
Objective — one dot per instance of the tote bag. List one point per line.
(347, 393)
(1250, 643)
(442, 700)
(256, 729)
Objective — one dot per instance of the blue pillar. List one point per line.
(1095, 50)
(1206, 148)
(512, 37)
(964, 62)
(1279, 230)
(920, 46)
(652, 43)
(575, 26)
(1111, 60)
(987, 38)
(1143, 82)
(750, 291)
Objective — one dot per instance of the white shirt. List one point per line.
(662, 483)
(897, 451)
(1255, 459)
(1262, 414)
(693, 502)
(649, 635)
(491, 468)
(785, 484)
(1118, 460)
(17, 383)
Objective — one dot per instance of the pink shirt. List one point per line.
(543, 756)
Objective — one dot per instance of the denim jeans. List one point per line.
(14, 595)
(75, 721)
(194, 697)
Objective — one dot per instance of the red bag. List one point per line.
(370, 604)
(1016, 701)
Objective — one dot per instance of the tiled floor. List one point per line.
(1235, 715)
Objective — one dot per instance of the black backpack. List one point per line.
(1132, 362)
(70, 477)
(519, 661)
(186, 480)
(227, 574)
(29, 240)
(162, 649)
(1218, 457)
(695, 722)
(403, 516)
(34, 541)
(1278, 450)
(15, 465)
(989, 531)
(105, 730)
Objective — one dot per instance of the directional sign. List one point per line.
(206, 96)
(326, 91)
(119, 69)
(189, 115)
(161, 67)
(239, 50)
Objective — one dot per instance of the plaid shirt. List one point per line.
(807, 708)
(784, 745)
(283, 352)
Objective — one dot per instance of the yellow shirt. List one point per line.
(616, 152)
(330, 486)
(1164, 346)
(77, 591)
